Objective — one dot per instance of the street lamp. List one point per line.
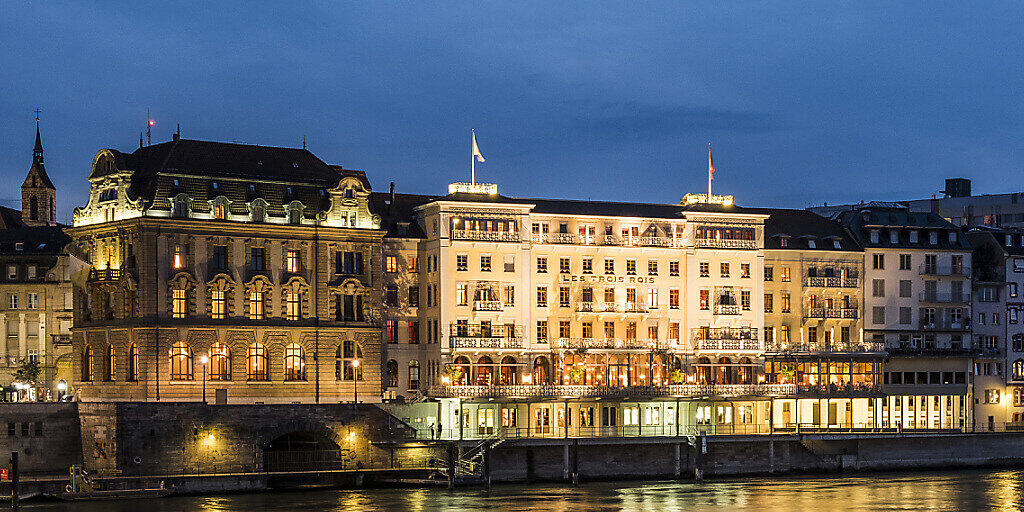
(355, 382)
(62, 387)
(204, 360)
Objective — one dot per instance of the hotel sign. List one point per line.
(591, 278)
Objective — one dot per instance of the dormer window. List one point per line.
(216, 186)
(894, 236)
(933, 237)
(837, 244)
(874, 236)
(1009, 240)
(176, 183)
(783, 241)
(349, 194)
(252, 188)
(952, 237)
(295, 214)
(258, 214)
(219, 212)
(179, 206)
(811, 244)
(19, 246)
(913, 236)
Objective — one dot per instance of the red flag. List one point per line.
(711, 165)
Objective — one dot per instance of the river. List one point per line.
(948, 490)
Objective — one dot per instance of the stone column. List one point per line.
(3, 340)
(22, 336)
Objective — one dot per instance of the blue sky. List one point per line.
(826, 101)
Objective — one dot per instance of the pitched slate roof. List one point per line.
(900, 219)
(799, 227)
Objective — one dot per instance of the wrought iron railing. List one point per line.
(832, 313)
(486, 236)
(724, 244)
(831, 282)
(865, 347)
(568, 391)
(608, 343)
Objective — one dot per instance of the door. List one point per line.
(485, 421)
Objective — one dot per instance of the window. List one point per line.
(294, 362)
(631, 267)
(904, 288)
(33, 300)
(769, 273)
(904, 260)
(509, 296)
(414, 332)
(563, 265)
(588, 330)
(563, 296)
(673, 298)
(768, 302)
(724, 267)
(673, 268)
(414, 374)
(564, 330)
(12, 272)
(87, 368)
(542, 296)
(878, 261)
(133, 363)
(179, 303)
(652, 267)
(542, 331)
(178, 260)
(256, 362)
(705, 269)
(652, 298)
(345, 356)
(905, 315)
(391, 373)
(414, 296)
(219, 212)
(784, 274)
(257, 305)
(542, 265)
(109, 371)
(673, 331)
(878, 314)
(510, 263)
(220, 257)
(293, 307)
(609, 266)
(181, 361)
(745, 299)
(220, 362)
(12, 301)
(745, 270)
(258, 260)
(705, 301)
(786, 334)
(461, 294)
(413, 264)
(878, 288)
(461, 262)
(1011, 289)
(219, 303)
(787, 303)
(485, 262)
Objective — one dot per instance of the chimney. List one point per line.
(392, 192)
(177, 133)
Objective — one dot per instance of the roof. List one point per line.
(9, 218)
(35, 240)
(900, 219)
(999, 236)
(803, 226)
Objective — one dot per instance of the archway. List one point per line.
(509, 371)
(541, 370)
(305, 451)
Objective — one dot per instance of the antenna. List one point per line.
(149, 126)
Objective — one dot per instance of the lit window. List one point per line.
(292, 262)
(179, 303)
(391, 264)
(178, 261)
(294, 363)
(220, 362)
(256, 362)
(133, 363)
(219, 212)
(181, 361)
(218, 310)
(257, 305)
(293, 308)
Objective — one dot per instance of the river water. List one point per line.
(952, 490)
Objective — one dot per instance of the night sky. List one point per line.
(589, 100)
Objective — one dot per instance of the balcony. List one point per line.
(608, 343)
(725, 339)
(712, 243)
(488, 305)
(945, 298)
(947, 270)
(489, 333)
(650, 241)
(486, 342)
(635, 307)
(105, 274)
(866, 347)
(560, 391)
(926, 324)
(585, 307)
(485, 236)
(831, 313)
(831, 282)
(728, 309)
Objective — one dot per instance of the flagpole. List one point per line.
(709, 171)
(472, 157)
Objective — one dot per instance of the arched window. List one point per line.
(294, 362)
(414, 374)
(1018, 369)
(256, 362)
(220, 362)
(484, 371)
(391, 372)
(181, 361)
(87, 364)
(462, 363)
(133, 363)
(33, 208)
(109, 369)
(509, 371)
(257, 213)
(344, 357)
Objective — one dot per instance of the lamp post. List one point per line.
(355, 382)
(204, 360)
(62, 387)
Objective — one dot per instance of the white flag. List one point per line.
(476, 150)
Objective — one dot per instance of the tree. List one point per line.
(29, 372)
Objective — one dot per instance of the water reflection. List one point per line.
(953, 490)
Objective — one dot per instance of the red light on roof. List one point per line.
(152, 122)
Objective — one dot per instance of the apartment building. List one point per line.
(245, 273)
(917, 301)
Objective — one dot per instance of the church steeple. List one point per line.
(38, 195)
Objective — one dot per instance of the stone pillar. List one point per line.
(3, 340)
(22, 336)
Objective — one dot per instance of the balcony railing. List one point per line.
(866, 347)
(725, 339)
(635, 307)
(608, 343)
(585, 307)
(488, 305)
(945, 298)
(560, 391)
(944, 270)
(831, 282)
(105, 274)
(944, 325)
(486, 236)
(728, 309)
(727, 345)
(724, 244)
(650, 241)
(489, 342)
(485, 330)
(832, 313)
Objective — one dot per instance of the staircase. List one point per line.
(470, 466)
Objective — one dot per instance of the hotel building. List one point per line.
(249, 270)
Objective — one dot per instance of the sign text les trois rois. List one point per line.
(591, 278)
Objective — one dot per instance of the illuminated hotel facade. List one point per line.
(549, 317)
